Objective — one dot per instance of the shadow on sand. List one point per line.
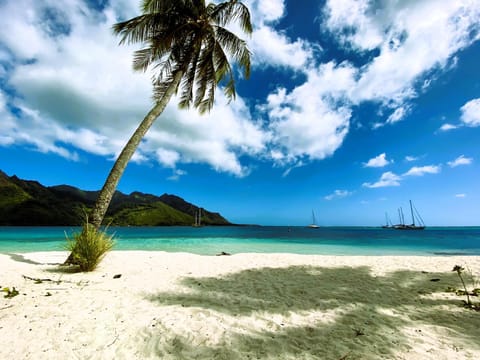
(371, 313)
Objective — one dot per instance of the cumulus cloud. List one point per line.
(461, 160)
(387, 179)
(272, 47)
(74, 89)
(471, 113)
(305, 121)
(338, 194)
(422, 170)
(77, 90)
(406, 35)
(378, 161)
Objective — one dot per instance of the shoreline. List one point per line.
(258, 305)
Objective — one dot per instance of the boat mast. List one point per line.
(411, 209)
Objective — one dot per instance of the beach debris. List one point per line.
(117, 276)
(39, 281)
(223, 253)
(10, 293)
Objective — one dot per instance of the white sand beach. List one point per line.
(245, 306)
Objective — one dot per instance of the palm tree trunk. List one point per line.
(106, 194)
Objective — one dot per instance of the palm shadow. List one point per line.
(371, 311)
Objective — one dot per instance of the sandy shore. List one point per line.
(245, 306)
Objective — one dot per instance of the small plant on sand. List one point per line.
(10, 293)
(88, 247)
(459, 270)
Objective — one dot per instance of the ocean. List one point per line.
(260, 239)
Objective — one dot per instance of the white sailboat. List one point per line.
(418, 225)
(198, 218)
(313, 225)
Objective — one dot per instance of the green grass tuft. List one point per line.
(88, 247)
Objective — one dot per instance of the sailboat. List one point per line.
(401, 225)
(313, 225)
(198, 218)
(420, 225)
(388, 223)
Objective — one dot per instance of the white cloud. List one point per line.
(338, 194)
(272, 48)
(461, 160)
(411, 158)
(378, 161)
(294, 166)
(398, 115)
(77, 90)
(387, 179)
(177, 173)
(168, 158)
(447, 127)
(460, 196)
(412, 38)
(217, 139)
(305, 121)
(471, 113)
(7, 123)
(266, 11)
(422, 170)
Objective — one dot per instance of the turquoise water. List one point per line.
(262, 239)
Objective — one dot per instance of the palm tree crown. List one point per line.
(190, 38)
(187, 46)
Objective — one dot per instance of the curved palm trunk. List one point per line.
(106, 194)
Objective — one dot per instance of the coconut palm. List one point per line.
(187, 47)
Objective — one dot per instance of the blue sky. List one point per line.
(352, 109)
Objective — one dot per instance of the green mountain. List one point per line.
(26, 202)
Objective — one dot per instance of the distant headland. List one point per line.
(29, 203)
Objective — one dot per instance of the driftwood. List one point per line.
(39, 281)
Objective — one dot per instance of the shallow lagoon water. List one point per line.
(261, 239)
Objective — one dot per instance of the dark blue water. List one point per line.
(299, 240)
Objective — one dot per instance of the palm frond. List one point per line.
(187, 39)
(222, 70)
(236, 47)
(226, 12)
(188, 80)
(159, 6)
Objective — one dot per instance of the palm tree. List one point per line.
(187, 46)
